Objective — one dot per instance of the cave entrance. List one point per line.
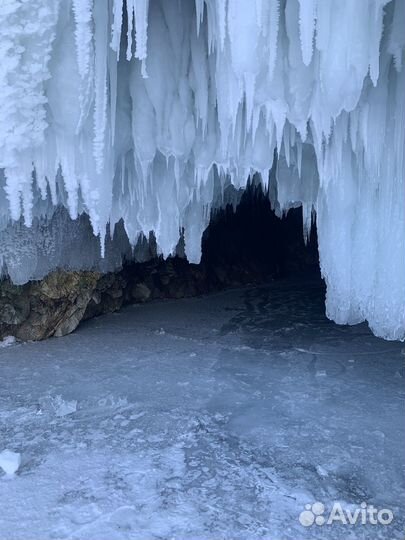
(245, 243)
(250, 243)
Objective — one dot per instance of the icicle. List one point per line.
(117, 25)
(141, 28)
(376, 28)
(83, 17)
(113, 81)
(138, 10)
(199, 10)
(272, 33)
(130, 18)
(100, 82)
(307, 27)
(221, 21)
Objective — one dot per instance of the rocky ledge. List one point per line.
(55, 305)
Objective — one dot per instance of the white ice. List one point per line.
(7, 341)
(144, 116)
(209, 418)
(10, 461)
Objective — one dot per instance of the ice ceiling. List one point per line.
(142, 111)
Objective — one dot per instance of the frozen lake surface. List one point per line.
(216, 418)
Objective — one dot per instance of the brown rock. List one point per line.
(141, 292)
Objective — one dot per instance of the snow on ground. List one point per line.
(215, 417)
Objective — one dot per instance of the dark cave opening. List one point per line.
(253, 240)
(244, 244)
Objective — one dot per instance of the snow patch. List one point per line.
(7, 341)
(10, 461)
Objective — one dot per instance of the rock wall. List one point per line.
(57, 304)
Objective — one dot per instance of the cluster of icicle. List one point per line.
(142, 111)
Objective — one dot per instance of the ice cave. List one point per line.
(202, 269)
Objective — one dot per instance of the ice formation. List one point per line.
(10, 461)
(140, 112)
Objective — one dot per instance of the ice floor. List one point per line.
(213, 418)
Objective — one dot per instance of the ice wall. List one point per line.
(143, 110)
